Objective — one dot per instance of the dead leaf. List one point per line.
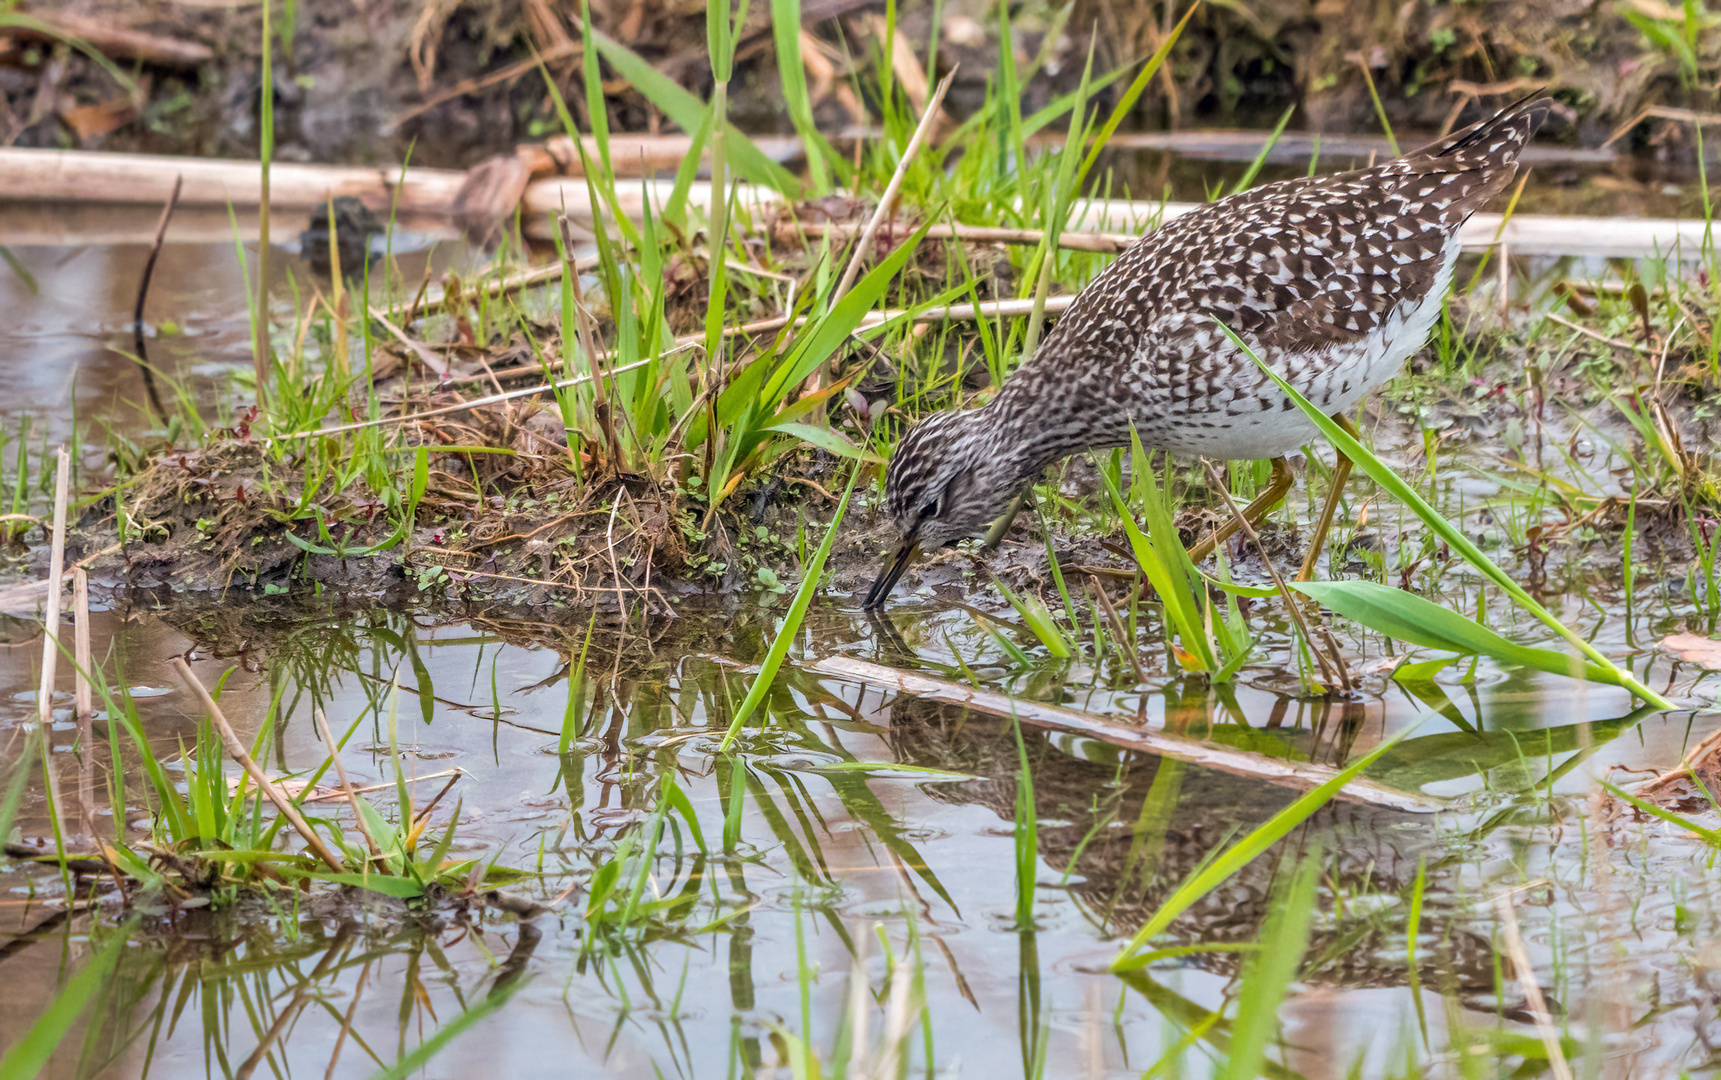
(1695, 649)
(93, 121)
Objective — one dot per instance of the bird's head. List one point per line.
(947, 481)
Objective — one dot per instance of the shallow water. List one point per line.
(841, 853)
(838, 855)
(67, 348)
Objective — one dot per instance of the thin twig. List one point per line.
(1663, 112)
(887, 203)
(1119, 631)
(346, 784)
(1532, 990)
(322, 795)
(425, 355)
(56, 588)
(952, 313)
(433, 296)
(143, 294)
(83, 659)
(423, 815)
(1615, 342)
(1330, 667)
(236, 750)
(1103, 243)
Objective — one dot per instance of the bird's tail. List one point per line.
(1498, 139)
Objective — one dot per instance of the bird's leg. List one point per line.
(1341, 473)
(995, 535)
(1253, 513)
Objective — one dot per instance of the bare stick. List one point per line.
(51, 635)
(497, 287)
(56, 588)
(236, 750)
(425, 354)
(82, 654)
(887, 204)
(1102, 242)
(1298, 775)
(143, 294)
(346, 784)
(319, 795)
(953, 313)
(423, 815)
(1117, 627)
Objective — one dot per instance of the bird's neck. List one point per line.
(1032, 425)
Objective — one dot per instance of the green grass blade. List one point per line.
(687, 112)
(28, 1058)
(1165, 562)
(791, 623)
(1038, 619)
(1213, 873)
(1027, 835)
(786, 30)
(815, 345)
(1409, 618)
(1126, 102)
(1254, 170)
(1269, 972)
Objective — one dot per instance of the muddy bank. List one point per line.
(451, 83)
(217, 523)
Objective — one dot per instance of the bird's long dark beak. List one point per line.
(893, 568)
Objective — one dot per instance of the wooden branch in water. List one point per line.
(62, 176)
(236, 750)
(78, 176)
(1297, 775)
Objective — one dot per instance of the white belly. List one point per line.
(1254, 424)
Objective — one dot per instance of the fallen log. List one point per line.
(62, 176)
(82, 176)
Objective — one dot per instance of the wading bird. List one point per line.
(1333, 281)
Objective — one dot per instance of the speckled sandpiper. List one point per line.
(1332, 280)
